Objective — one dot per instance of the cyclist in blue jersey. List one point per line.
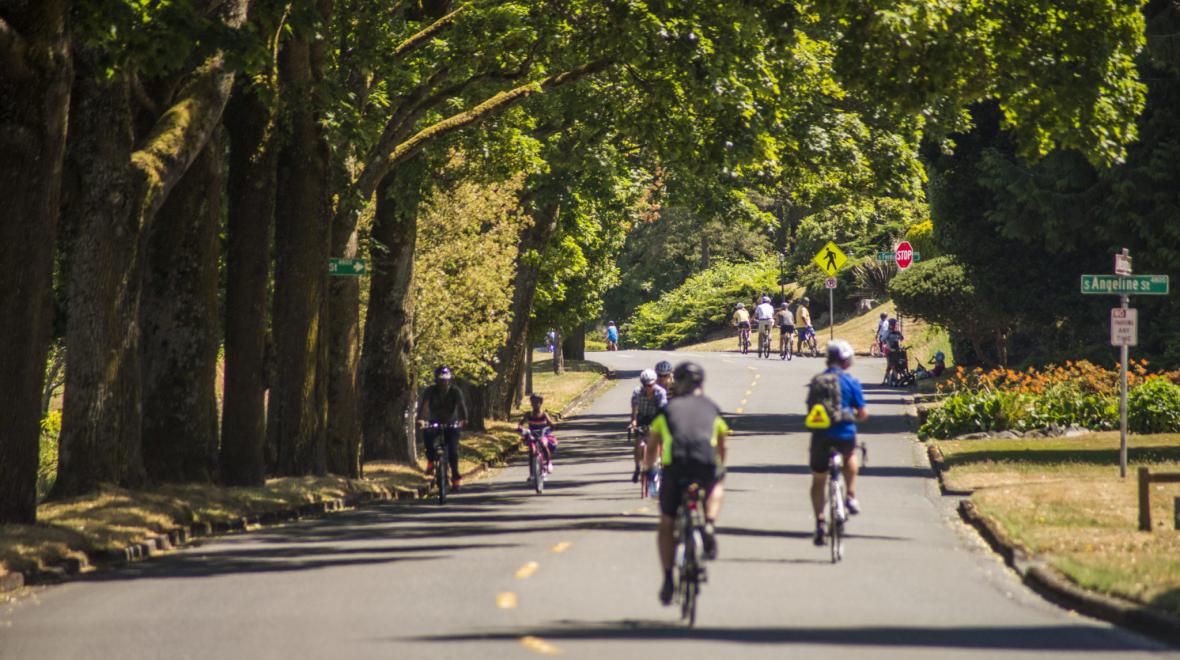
(845, 406)
(612, 336)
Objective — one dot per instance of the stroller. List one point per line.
(898, 373)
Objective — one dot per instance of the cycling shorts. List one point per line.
(804, 332)
(786, 330)
(820, 448)
(677, 475)
(743, 325)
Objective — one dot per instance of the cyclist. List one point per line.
(893, 340)
(664, 377)
(537, 419)
(612, 336)
(690, 435)
(764, 315)
(741, 321)
(786, 328)
(882, 332)
(803, 323)
(647, 401)
(442, 403)
(844, 401)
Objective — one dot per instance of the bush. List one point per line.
(991, 410)
(1154, 407)
(47, 468)
(703, 303)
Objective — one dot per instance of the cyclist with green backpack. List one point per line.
(836, 403)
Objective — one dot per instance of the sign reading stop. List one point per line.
(904, 255)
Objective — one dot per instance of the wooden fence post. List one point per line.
(1144, 499)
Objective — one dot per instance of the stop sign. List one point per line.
(904, 255)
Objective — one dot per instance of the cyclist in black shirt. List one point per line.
(443, 404)
(690, 434)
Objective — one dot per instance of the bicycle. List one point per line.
(744, 340)
(875, 347)
(897, 371)
(442, 458)
(837, 513)
(809, 342)
(537, 463)
(650, 482)
(689, 555)
(784, 350)
(645, 487)
(763, 342)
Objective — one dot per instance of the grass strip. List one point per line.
(114, 518)
(1062, 499)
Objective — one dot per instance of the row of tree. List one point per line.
(183, 172)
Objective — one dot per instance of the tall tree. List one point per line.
(35, 76)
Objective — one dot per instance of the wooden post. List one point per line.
(1176, 512)
(1144, 499)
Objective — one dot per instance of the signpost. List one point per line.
(1124, 324)
(830, 260)
(347, 267)
(904, 255)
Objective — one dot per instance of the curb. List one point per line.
(1056, 588)
(938, 462)
(181, 536)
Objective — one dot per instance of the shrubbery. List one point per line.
(1076, 394)
(47, 468)
(703, 303)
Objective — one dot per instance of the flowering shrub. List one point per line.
(1074, 394)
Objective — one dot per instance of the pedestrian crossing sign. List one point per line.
(830, 259)
(818, 418)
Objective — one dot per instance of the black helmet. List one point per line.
(663, 368)
(688, 375)
(442, 373)
(804, 301)
(536, 396)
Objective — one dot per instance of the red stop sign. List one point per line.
(904, 255)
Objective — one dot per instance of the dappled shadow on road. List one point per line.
(1070, 637)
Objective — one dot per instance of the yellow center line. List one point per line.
(752, 368)
(632, 512)
(756, 377)
(527, 570)
(740, 410)
(538, 645)
(561, 547)
(749, 391)
(506, 600)
(743, 402)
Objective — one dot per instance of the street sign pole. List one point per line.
(831, 316)
(1124, 352)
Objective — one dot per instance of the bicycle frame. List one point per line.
(442, 462)
(532, 439)
(689, 557)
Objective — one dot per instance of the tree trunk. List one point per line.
(558, 355)
(344, 427)
(476, 399)
(251, 215)
(511, 356)
(178, 318)
(574, 345)
(297, 414)
(100, 438)
(388, 392)
(528, 371)
(35, 75)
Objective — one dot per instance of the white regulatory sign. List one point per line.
(1124, 327)
(830, 283)
(1122, 264)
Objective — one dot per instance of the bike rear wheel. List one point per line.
(836, 511)
(535, 469)
(689, 570)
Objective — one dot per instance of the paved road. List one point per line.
(500, 572)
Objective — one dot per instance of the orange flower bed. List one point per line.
(1085, 375)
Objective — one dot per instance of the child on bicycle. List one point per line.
(843, 400)
(533, 422)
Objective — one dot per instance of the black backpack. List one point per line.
(824, 390)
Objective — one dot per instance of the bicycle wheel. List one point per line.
(441, 473)
(536, 468)
(836, 511)
(688, 570)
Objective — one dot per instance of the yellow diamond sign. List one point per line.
(830, 259)
(818, 418)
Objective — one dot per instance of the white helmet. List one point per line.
(647, 376)
(839, 351)
(741, 305)
(765, 299)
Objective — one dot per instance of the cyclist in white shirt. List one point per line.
(764, 316)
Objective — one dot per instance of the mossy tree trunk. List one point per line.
(298, 410)
(35, 77)
(573, 347)
(251, 217)
(178, 319)
(344, 353)
(388, 379)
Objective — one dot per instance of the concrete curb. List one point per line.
(938, 463)
(1058, 589)
(181, 536)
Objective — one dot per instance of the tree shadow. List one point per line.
(1066, 637)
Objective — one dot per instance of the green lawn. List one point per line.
(1063, 499)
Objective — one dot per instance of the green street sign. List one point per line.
(347, 267)
(889, 256)
(1142, 285)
